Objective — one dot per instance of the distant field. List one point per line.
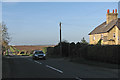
(29, 48)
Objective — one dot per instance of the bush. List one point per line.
(102, 53)
(50, 51)
(44, 49)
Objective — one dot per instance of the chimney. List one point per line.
(111, 16)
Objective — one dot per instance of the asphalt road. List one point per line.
(25, 67)
(0, 65)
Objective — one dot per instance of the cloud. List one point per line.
(60, 0)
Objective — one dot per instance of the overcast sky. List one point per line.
(37, 23)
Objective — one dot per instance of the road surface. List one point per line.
(0, 65)
(25, 67)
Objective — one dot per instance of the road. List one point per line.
(0, 65)
(25, 67)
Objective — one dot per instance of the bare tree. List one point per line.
(5, 37)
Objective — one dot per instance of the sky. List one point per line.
(0, 11)
(60, 0)
(37, 23)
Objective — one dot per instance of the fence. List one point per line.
(102, 53)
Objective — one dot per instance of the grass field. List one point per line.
(16, 50)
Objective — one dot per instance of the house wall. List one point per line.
(117, 35)
(92, 40)
(116, 39)
(97, 38)
(104, 42)
(110, 36)
(110, 39)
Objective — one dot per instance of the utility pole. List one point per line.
(60, 41)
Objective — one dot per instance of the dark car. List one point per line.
(38, 54)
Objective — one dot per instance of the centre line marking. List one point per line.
(54, 68)
(37, 62)
(78, 78)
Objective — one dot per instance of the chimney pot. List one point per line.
(108, 11)
(115, 10)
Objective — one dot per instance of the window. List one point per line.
(113, 35)
(93, 37)
(101, 36)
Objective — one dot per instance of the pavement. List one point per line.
(26, 67)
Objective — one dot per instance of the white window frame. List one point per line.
(93, 37)
(101, 36)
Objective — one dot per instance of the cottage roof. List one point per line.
(103, 28)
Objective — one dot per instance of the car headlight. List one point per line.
(44, 55)
(35, 55)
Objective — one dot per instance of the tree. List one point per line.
(84, 41)
(65, 48)
(5, 35)
(99, 42)
(72, 48)
(44, 49)
(78, 45)
(5, 39)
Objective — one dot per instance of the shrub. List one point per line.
(44, 49)
(50, 51)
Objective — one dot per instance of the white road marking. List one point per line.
(78, 78)
(54, 68)
(37, 62)
(48, 66)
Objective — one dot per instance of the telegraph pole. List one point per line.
(60, 41)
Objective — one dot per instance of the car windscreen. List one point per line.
(38, 52)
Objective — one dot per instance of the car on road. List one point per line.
(38, 54)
